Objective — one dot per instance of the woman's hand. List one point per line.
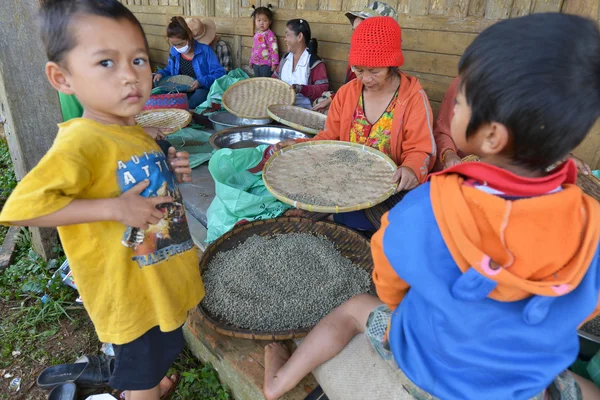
(297, 88)
(406, 179)
(194, 86)
(157, 78)
(282, 144)
(323, 105)
(274, 68)
(451, 159)
(581, 165)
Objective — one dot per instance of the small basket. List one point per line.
(298, 118)
(250, 98)
(351, 245)
(171, 100)
(301, 166)
(167, 120)
(176, 83)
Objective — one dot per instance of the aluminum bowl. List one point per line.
(252, 136)
(225, 120)
(589, 345)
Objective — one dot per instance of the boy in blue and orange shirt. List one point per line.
(484, 274)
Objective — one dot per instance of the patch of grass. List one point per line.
(198, 382)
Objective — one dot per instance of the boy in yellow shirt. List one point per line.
(113, 194)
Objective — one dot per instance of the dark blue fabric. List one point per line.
(205, 62)
(197, 97)
(453, 341)
(141, 364)
(262, 71)
(354, 220)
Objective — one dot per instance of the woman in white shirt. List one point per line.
(301, 67)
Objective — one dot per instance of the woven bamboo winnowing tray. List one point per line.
(298, 118)
(312, 176)
(168, 120)
(176, 82)
(251, 97)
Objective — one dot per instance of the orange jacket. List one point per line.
(412, 139)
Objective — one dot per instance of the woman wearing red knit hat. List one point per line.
(383, 108)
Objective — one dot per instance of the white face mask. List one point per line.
(183, 50)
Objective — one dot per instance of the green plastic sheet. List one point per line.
(239, 195)
(195, 142)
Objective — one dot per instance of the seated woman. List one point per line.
(301, 67)
(383, 108)
(189, 57)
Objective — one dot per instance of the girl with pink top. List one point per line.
(265, 52)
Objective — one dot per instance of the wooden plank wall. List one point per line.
(434, 33)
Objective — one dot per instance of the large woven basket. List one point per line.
(307, 170)
(298, 118)
(168, 120)
(351, 245)
(250, 98)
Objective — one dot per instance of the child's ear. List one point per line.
(495, 138)
(57, 78)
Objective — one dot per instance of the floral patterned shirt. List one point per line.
(265, 50)
(375, 135)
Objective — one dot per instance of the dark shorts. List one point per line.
(262, 71)
(141, 364)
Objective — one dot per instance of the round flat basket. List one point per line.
(176, 83)
(298, 118)
(350, 244)
(330, 176)
(251, 97)
(168, 120)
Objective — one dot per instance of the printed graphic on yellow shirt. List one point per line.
(171, 235)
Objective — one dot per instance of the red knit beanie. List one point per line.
(376, 42)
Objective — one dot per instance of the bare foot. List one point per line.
(168, 385)
(294, 212)
(276, 356)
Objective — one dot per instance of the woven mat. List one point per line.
(168, 120)
(330, 176)
(298, 118)
(250, 98)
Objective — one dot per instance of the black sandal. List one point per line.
(91, 374)
(65, 391)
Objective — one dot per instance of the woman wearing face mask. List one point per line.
(192, 58)
(382, 108)
(301, 67)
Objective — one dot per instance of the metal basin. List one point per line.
(589, 345)
(224, 120)
(252, 136)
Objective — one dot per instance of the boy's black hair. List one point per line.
(266, 11)
(301, 26)
(56, 17)
(539, 76)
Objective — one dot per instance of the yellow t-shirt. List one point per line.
(130, 281)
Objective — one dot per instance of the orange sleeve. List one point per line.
(332, 124)
(418, 145)
(391, 289)
(441, 128)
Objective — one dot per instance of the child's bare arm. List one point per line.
(130, 209)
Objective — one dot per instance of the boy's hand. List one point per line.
(180, 164)
(138, 211)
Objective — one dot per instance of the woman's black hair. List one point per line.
(56, 17)
(301, 26)
(266, 11)
(178, 28)
(539, 76)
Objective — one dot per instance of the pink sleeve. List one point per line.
(273, 48)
